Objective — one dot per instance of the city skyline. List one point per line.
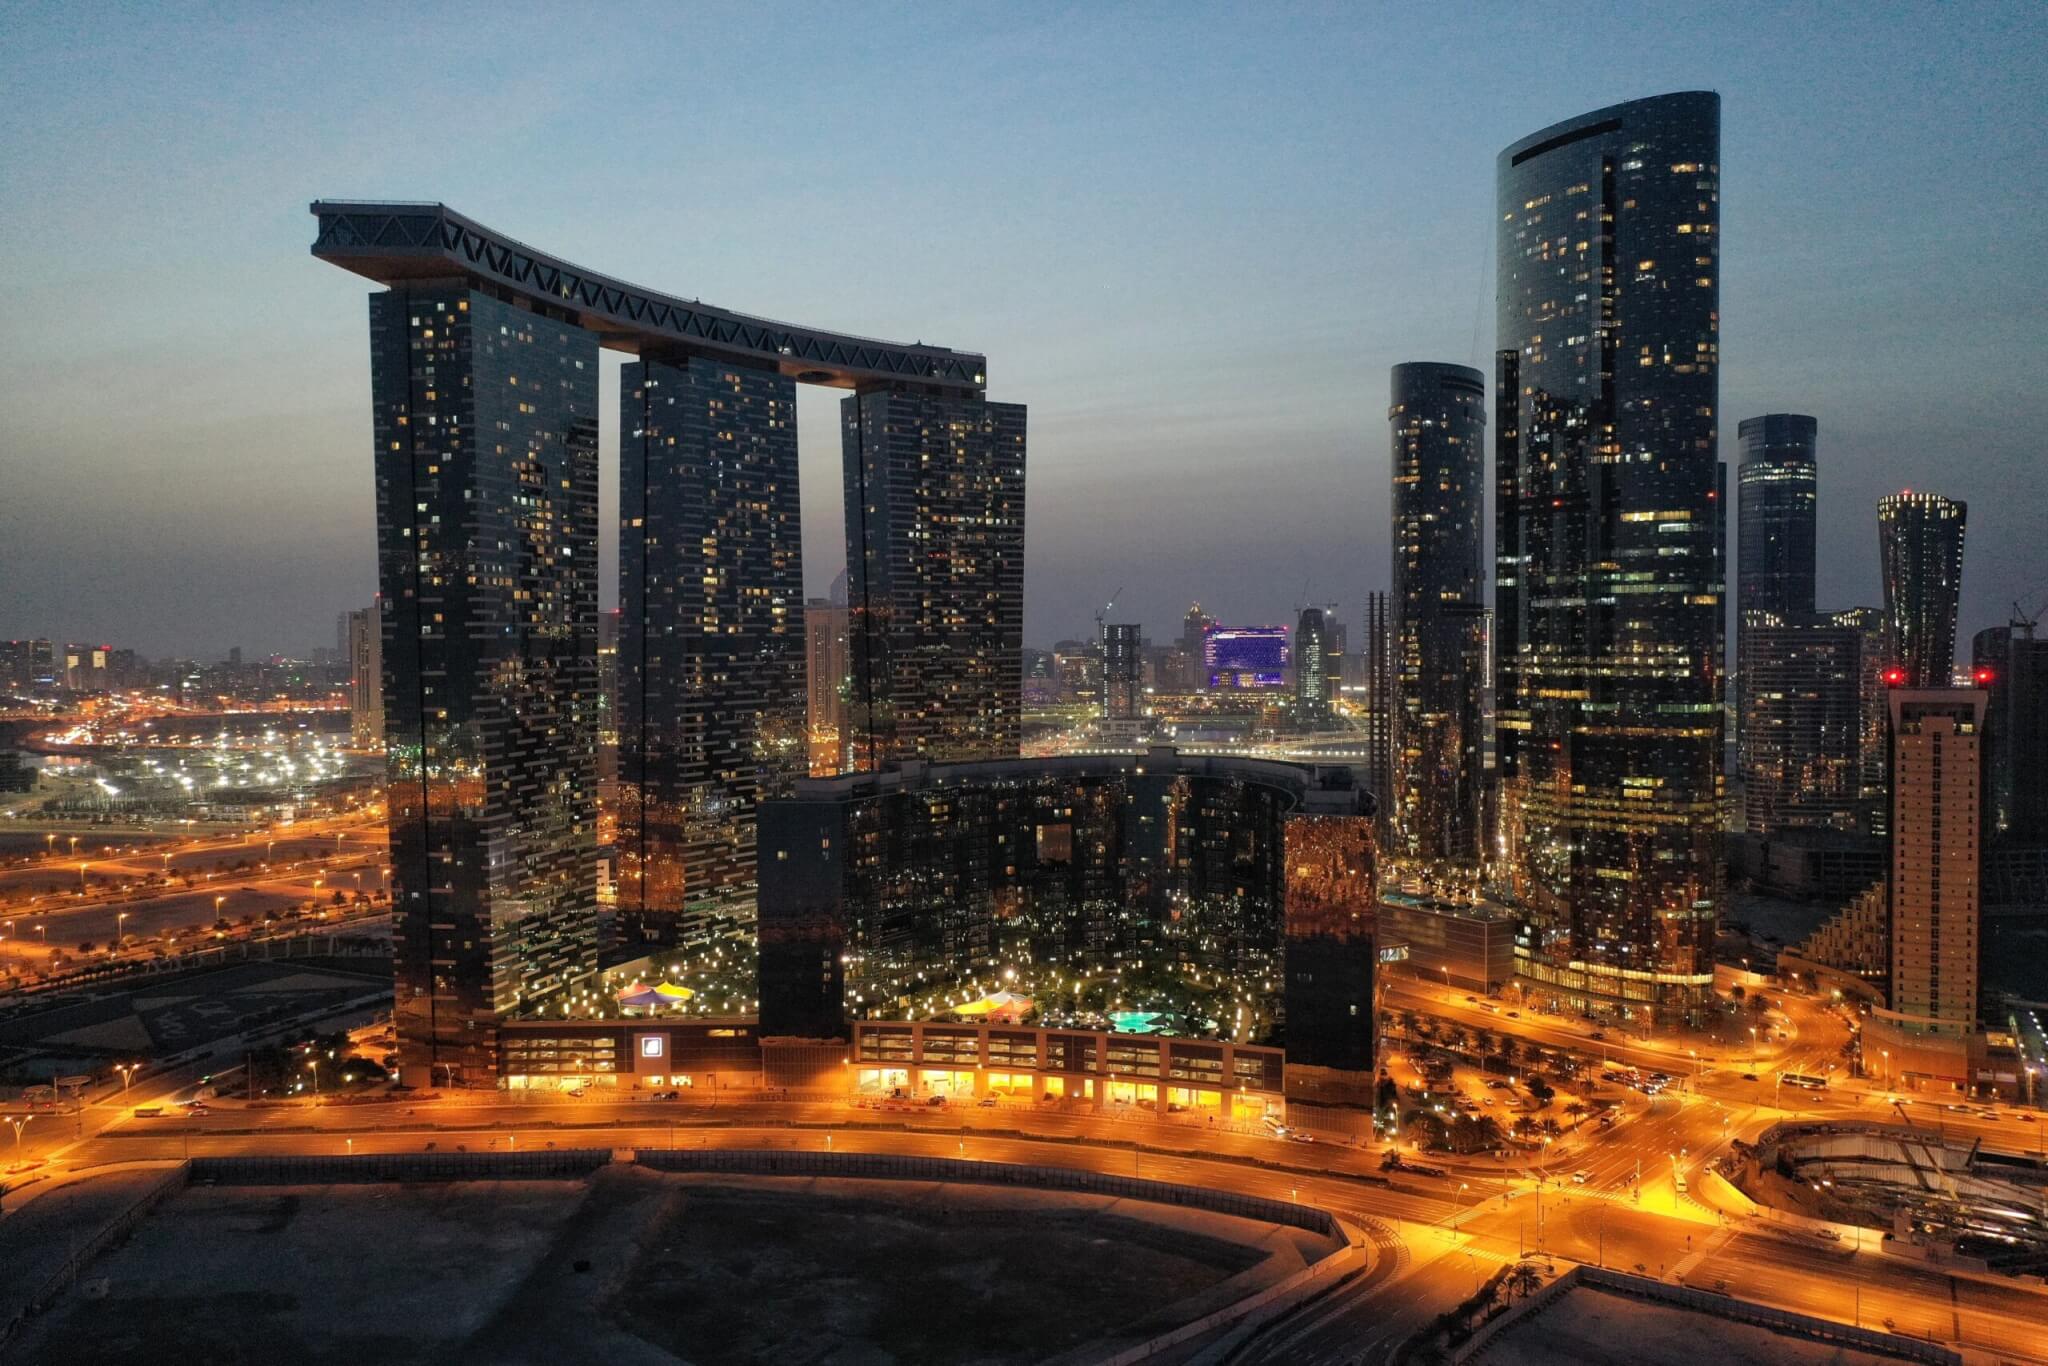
(1326, 279)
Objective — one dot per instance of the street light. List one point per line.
(127, 1071)
(19, 1122)
(314, 1068)
(120, 927)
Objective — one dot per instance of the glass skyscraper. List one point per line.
(1607, 541)
(1315, 670)
(935, 575)
(1438, 419)
(1920, 548)
(1777, 488)
(712, 699)
(1122, 671)
(485, 415)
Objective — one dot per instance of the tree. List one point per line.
(1475, 1133)
(1736, 992)
(1524, 1279)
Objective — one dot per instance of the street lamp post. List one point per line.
(120, 928)
(314, 1068)
(19, 1122)
(127, 1071)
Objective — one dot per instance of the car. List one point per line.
(573, 1091)
(1749, 1076)
(1599, 1034)
(1472, 1000)
(986, 1103)
(1514, 1014)
(1297, 1136)
(936, 1101)
(1580, 1178)
(148, 1111)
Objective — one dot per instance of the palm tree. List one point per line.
(1525, 1279)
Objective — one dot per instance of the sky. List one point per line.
(1191, 238)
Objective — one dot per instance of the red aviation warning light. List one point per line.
(1983, 677)
(1894, 676)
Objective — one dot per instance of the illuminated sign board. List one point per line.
(652, 1047)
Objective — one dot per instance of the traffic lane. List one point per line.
(1672, 1060)
(180, 911)
(130, 1145)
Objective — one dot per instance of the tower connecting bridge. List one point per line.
(393, 242)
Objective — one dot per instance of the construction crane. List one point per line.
(1101, 635)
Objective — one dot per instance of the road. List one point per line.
(1451, 1232)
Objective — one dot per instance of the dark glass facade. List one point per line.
(1777, 489)
(903, 892)
(2012, 668)
(712, 700)
(1316, 668)
(1245, 657)
(485, 415)
(1438, 419)
(935, 575)
(1329, 936)
(1920, 549)
(1608, 566)
(1804, 715)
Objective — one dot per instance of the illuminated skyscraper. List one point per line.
(1438, 417)
(1607, 542)
(1379, 703)
(1123, 665)
(1315, 670)
(711, 649)
(1920, 547)
(1777, 489)
(365, 660)
(485, 416)
(1937, 834)
(825, 683)
(1803, 723)
(935, 575)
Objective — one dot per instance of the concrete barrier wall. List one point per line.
(1763, 1315)
(337, 1169)
(888, 1167)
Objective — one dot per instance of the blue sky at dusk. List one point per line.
(1193, 239)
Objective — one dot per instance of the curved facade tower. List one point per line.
(1920, 547)
(1608, 550)
(484, 392)
(1438, 418)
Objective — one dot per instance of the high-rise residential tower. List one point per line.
(1123, 669)
(1920, 549)
(485, 415)
(1803, 722)
(711, 646)
(364, 655)
(825, 683)
(1378, 649)
(1936, 838)
(1607, 545)
(1315, 677)
(1438, 420)
(935, 574)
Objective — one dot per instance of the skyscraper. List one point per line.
(825, 683)
(2012, 667)
(364, 655)
(1315, 681)
(485, 416)
(1379, 703)
(1122, 672)
(935, 574)
(1438, 417)
(1937, 830)
(1777, 490)
(1920, 547)
(1608, 567)
(711, 650)
(1802, 729)
(1194, 632)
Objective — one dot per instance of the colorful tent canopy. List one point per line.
(1003, 1004)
